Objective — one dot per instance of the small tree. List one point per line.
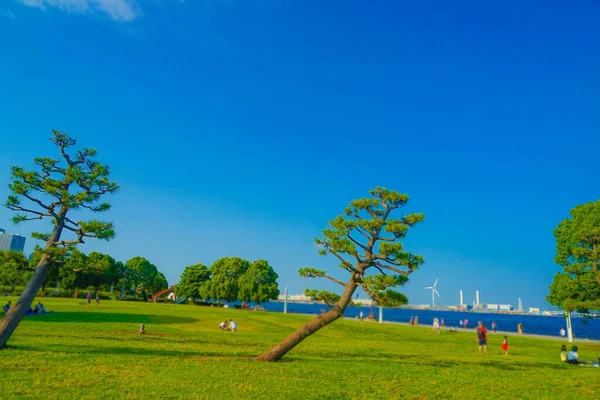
(140, 272)
(13, 268)
(101, 269)
(258, 283)
(159, 283)
(364, 239)
(577, 288)
(225, 274)
(58, 187)
(193, 282)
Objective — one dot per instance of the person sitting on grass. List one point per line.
(563, 353)
(573, 356)
(232, 326)
(7, 306)
(223, 325)
(40, 308)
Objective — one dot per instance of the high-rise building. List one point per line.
(11, 242)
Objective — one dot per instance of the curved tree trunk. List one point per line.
(13, 316)
(275, 353)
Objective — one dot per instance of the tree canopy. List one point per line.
(366, 242)
(258, 283)
(193, 282)
(13, 265)
(159, 283)
(577, 287)
(225, 274)
(140, 272)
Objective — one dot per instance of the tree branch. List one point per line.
(331, 278)
(396, 270)
(348, 264)
(356, 242)
(359, 230)
(25, 269)
(19, 208)
(370, 293)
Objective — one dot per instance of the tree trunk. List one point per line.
(13, 316)
(275, 353)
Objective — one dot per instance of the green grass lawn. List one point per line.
(81, 353)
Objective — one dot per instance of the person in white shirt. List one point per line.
(232, 326)
(223, 325)
(562, 331)
(573, 356)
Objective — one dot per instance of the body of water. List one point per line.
(540, 325)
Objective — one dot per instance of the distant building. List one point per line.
(364, 302)
(295, 298)
(498, 307)
(11, 242)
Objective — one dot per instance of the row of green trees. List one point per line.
(229, 279)
(77, 270)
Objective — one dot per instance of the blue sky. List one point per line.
(241, 127)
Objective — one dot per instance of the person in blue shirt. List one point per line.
(7, 306)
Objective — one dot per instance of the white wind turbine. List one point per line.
(433, 292)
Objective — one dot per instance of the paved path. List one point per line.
(499, 333)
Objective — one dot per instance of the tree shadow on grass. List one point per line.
(95, 317)
(428, 361)
(127, 351)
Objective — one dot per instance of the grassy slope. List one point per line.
(96, 353)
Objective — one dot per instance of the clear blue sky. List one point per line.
(241, 127)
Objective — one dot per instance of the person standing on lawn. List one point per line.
(482, 337)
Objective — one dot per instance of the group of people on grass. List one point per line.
(482, 339)
(38, 309)
(88, 298)
(572, 357)
(228, 326)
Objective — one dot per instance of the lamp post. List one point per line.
(285, 301)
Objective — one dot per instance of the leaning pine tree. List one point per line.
(365, 239)
(76, 182)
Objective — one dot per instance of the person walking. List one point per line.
(89, 299)
(494, 326)
(520, 328)
(482, 337)
(505, 345)
(97, 299)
